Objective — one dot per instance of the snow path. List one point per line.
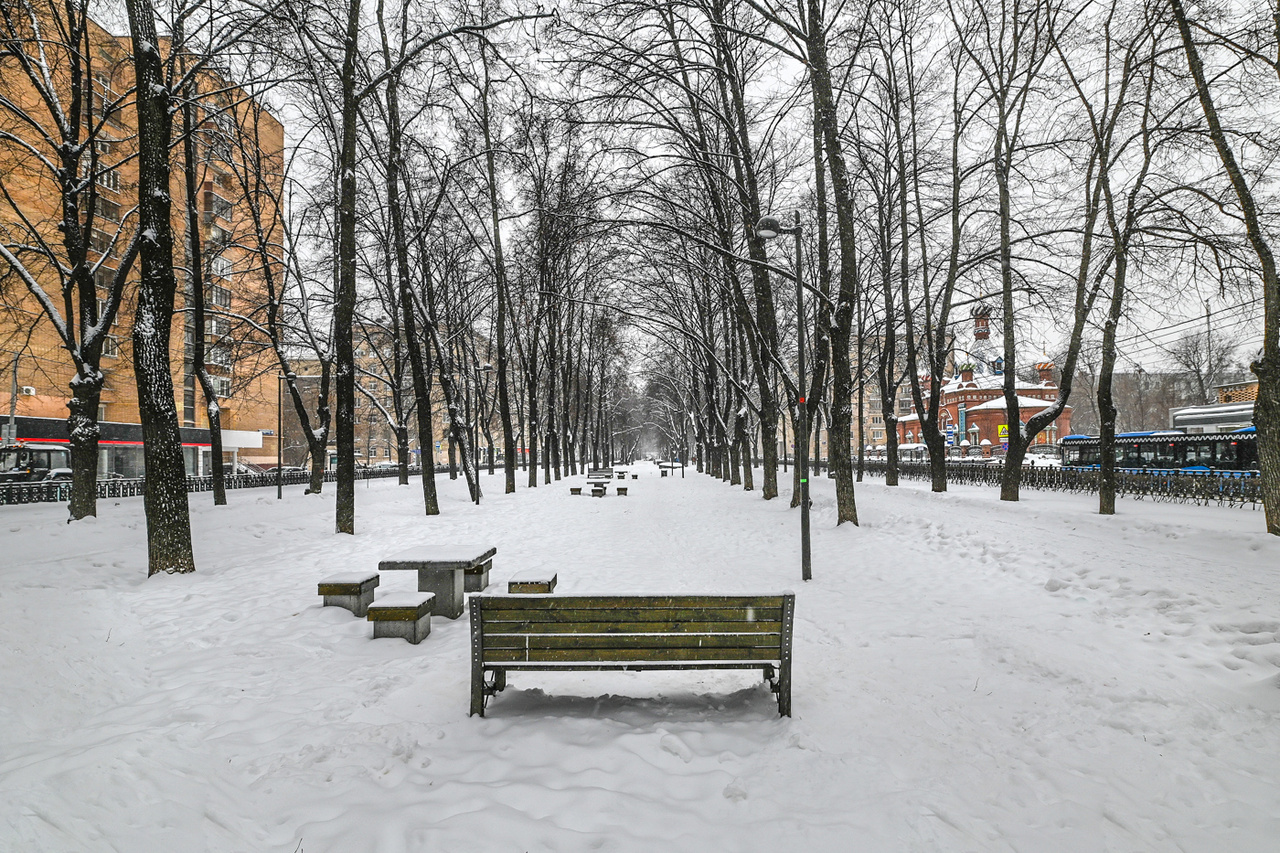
(970, 676)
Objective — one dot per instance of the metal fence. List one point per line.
(60, 490)
(1224, 488)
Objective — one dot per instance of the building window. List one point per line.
(107, 210)
(104, 97)
(216, 207)
(219, 356)
(102, 242)
(221, 385)
(109, 179)
(220, 266)
(218, 327)
(219, 296)
(111, 347)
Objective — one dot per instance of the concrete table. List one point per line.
(447, 570)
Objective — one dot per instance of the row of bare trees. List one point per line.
(516, 215)
(1064, 163)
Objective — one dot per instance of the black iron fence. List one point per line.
(1224, 488)
(60, 490)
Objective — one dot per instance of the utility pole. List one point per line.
(11, 431)
(1208, 349)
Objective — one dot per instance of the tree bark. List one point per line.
(165, 503)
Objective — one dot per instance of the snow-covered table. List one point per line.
(448, 571)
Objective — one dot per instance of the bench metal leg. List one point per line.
(477, 664)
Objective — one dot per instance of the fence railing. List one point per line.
(53, 491)
(1224, 488)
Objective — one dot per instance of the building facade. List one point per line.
(33, 361)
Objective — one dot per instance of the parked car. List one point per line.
(58, 474)
(287, 469)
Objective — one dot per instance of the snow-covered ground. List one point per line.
(970, 676)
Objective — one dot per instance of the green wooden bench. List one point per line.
(630, 632)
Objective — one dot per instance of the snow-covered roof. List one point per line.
(988, 381)
(1023, 403)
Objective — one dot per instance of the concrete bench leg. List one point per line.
(357, 604)
(477, 579)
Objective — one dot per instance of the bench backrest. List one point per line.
(650, 628)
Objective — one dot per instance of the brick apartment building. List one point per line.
(241, 366)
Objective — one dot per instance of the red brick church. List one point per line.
(972, 409)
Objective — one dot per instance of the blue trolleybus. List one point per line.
(1169, 451)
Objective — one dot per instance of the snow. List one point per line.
(971, 675)
(1023, 403)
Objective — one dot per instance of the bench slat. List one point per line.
(656, 614)
(632, 641)
(669, 627)
(573, 655)
(494, 603)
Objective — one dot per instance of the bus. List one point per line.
(1168, 450)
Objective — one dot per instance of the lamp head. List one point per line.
(768, 227)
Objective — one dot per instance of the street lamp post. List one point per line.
(767, 228)
(280, 377)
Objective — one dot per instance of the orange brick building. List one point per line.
(241, 365)
(974, 415)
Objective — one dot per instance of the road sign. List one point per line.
(1003, 431)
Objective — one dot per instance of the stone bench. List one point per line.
(352, 590)
(532, 583)
(407, 615)
(447, 571)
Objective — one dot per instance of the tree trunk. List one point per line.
(165, 503)
(345, 298)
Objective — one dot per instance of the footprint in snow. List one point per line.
(672, 744)
(735, 791)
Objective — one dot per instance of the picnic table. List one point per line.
(448, 571)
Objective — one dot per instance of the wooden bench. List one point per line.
(635, 476)
(352, 590)
(532, 583)
(600, 473)
(575, 490)
(406, 615)
(448, 571)
(630, 632)
(622, 491)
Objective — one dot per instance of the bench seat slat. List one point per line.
(629, 654)
(632, 641)
(592, 666)
(584, 602)
(625, 614)
(539, 626)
